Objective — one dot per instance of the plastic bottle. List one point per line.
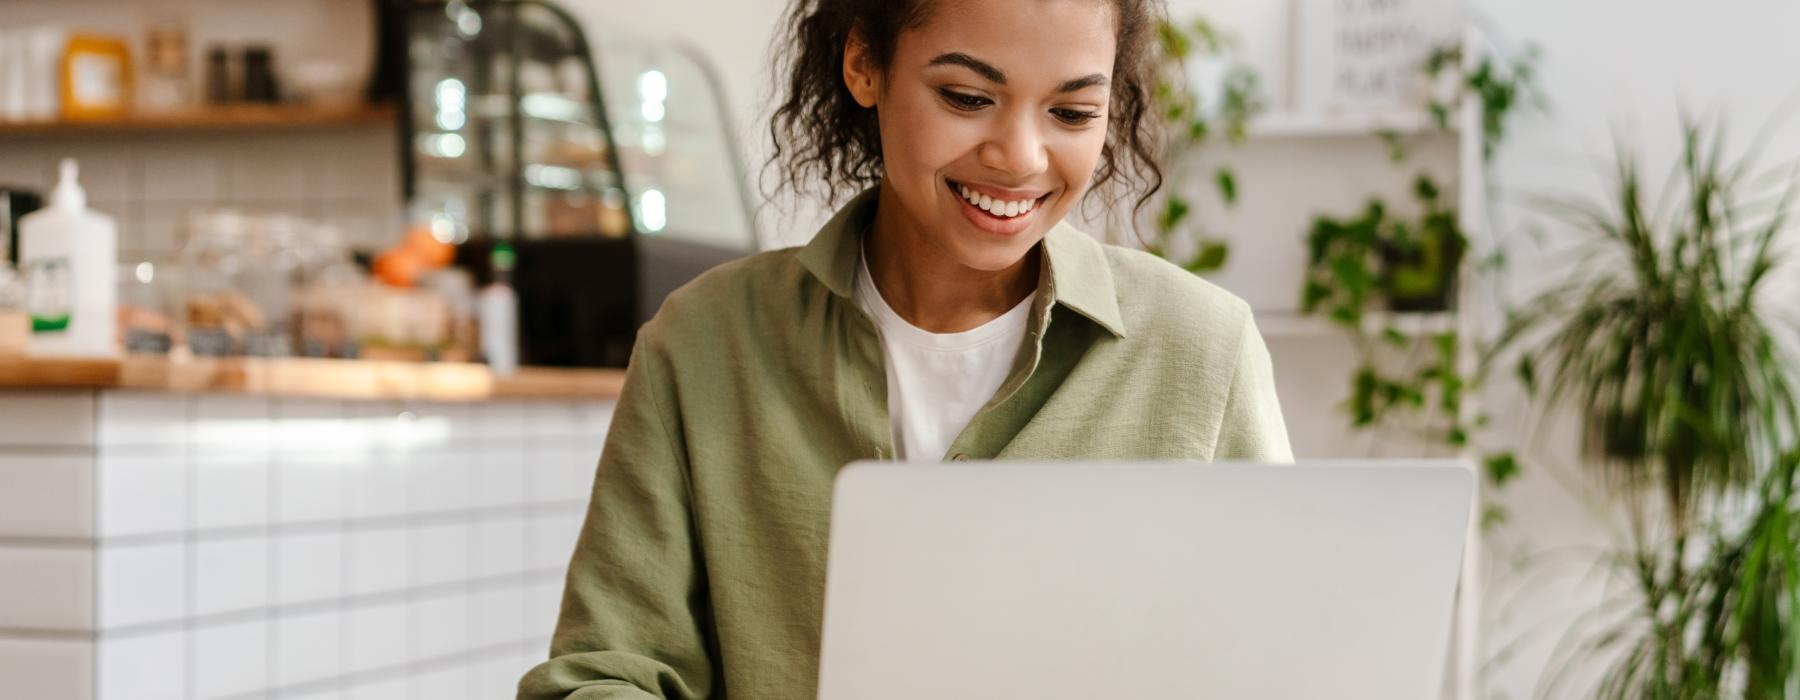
(70, 256)
(499, 311)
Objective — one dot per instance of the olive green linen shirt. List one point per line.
(700, 570)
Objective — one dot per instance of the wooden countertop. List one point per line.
(339, 379)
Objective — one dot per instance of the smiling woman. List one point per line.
(945, 312)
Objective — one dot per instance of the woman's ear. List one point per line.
(860, 74)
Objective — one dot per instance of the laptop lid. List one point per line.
(1167, 580)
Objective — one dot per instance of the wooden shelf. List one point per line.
(1299, 126)
(216, 119)
(334, 379)
(1292, 324)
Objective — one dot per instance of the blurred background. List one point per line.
(338, 442)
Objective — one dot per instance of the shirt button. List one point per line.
(959, 457)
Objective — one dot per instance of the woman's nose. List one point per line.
(1016, 147)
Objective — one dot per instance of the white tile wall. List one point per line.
(230, 491)
(231, 574)
(377, 487)
(150, 184)
(441, 624)
(498, 477)
(310, 488)
(46, 588)
(441, 479)
(291, 548)
(443, 553)
(443, 684)
(376, 636)
(150, 666)
(330, 693)
(378, 560)
(307, 647)
(46, 668)
(231, 425)
(378, 690)
(499, 546)
(46, 494)
(139, 495)
(231, 659)
(47, 418)
(497, 678)
(543, 603)
(497, 614)
(134, 420)
(142, 583)
(309, 567)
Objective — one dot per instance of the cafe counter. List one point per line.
(286, 528)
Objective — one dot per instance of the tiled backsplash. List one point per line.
(221, 546)
(345, 176)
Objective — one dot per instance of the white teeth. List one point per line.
(994, 206)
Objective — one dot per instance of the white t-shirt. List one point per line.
(937, 382)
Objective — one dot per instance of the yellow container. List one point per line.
(96, 78)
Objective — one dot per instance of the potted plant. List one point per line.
(1659, 344)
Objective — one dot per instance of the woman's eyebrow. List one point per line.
(958, 58)
(987, 70)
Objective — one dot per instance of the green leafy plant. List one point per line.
(1660, 344)
(1360, 269)
(1363, 271)
(1499, 86)
(1194, 128)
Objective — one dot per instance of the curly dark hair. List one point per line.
(826, 144)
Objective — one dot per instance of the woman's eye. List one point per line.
(1074, 117)
(965, 102)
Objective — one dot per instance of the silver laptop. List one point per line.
(1143, 580)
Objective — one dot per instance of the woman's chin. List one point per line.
(995, 258)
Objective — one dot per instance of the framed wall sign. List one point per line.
(1361, 56)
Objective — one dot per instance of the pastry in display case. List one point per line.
(610, 170)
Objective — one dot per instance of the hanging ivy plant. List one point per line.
(1192, 127)
(1362, 270)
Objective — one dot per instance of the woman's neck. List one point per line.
(930, 288)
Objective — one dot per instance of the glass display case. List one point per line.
(506, 133)
(675, 141)
(611, 169)
(518, 128)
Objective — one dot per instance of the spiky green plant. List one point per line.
(1660, 343)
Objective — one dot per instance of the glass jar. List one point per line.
(146, 305)
(326, 305)
(216, 313)
(273, 275)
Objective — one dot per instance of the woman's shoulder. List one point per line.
(735, 292)
(1160, 299)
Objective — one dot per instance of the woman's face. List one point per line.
(993, 116)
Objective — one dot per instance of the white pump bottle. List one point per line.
(70, 256)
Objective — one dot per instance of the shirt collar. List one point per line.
(1077, 272)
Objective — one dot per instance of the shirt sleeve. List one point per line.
(635, 620)
(1253, 430)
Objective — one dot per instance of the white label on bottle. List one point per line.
(94, 81)
(47, 295)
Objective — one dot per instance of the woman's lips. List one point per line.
(987, 221)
